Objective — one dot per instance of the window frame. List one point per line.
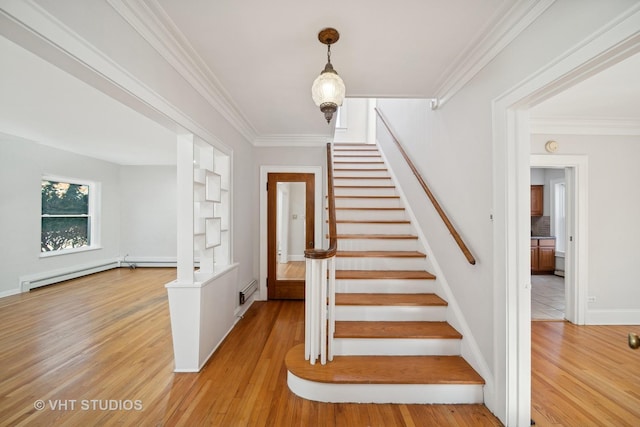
(92, 215)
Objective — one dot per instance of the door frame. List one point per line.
(511, 200)
(265, 170)
(274, 179)
(576, 251)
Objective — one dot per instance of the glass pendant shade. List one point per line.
(328, 91)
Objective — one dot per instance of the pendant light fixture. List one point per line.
(328, 88)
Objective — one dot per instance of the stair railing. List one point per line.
(456, 236)
(320, 285)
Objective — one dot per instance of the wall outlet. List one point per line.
(591, 299)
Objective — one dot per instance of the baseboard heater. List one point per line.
(248, 291)
(43, 279)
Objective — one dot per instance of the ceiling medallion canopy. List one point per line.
(328, 89)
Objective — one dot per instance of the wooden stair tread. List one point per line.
(383, 369)
(380, 254)
(404, 329)
(377, 236)
(367, 197)
(356, 155)
(390, 299)
(384, 274)
(358, 170)
(361, 177)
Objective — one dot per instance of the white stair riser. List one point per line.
(396, 347)
(379, 263)
(358, 165)
(385, 286)
(360, 172)
(368, 202)
(371, 215)
(386, 393)
(355, 152)
(377, 244)
(391, 313)
(355, 191)
(362, 181)
(374, 228)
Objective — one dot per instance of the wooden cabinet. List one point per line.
(537, 204)
(543, 256)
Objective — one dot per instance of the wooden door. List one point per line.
(285, 278)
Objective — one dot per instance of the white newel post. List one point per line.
(319, 309)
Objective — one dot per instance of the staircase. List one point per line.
(392, 342)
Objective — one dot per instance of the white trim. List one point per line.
(585, 126)
(385, 393)
(495, 38)
(511, 150)
(319, 218)
(291, 141)
(613, 317)
(577, 226)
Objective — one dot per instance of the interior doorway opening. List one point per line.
(548, 243)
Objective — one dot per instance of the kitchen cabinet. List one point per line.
(543, 255)
(537, 204)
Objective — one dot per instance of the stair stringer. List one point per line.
(469, 348)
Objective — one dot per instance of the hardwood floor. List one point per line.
(584, 375)
(105, 341)
(292, 270)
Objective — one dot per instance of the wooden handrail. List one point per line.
(425, 187)
(333, 240)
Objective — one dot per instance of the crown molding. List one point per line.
(584, 126)
(492, 40)
(292, 141)
(78, 52)
(150, 20)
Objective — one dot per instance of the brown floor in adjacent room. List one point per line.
(107, 338)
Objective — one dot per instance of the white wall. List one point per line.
(22, 165)
(613, 232)
(148, 213)
(354, 126)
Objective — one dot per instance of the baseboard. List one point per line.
(31, 281)
(613, 317)
(128, 261)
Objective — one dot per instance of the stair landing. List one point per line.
(385, 379)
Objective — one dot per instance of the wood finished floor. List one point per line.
(107, 337)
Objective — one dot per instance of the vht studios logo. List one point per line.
(88, 405)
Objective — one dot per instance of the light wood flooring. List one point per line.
(106, 337)
(292, 270)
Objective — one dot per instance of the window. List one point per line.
(67, 216)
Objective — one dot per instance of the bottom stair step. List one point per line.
(385, 379)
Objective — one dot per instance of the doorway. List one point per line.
(548, 243)
(290, 231)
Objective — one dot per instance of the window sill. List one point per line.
(69, 251)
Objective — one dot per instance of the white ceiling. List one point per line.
(261, 58)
